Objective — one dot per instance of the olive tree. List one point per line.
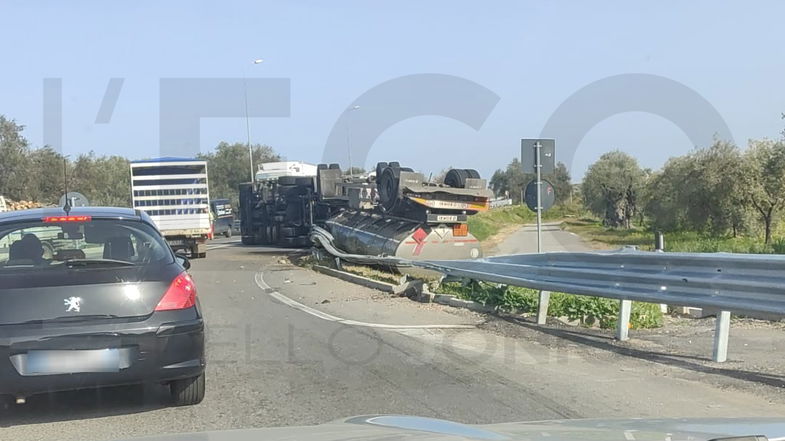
(764, 166)
(612, 188)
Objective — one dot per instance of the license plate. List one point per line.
(447, 218)
(176, 242)
(71, 361)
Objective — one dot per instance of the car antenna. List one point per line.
(67, 205)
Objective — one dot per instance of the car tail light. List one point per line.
(61, 219)
(180, 295)
(460, 230)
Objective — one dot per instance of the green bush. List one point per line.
(587, 310)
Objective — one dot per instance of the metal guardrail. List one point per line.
(734, 282)
(728, 282)
(741, 283)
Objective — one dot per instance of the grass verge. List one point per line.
(589, 311)
(678, 241)
(489, 223)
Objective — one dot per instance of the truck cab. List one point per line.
(223, 217)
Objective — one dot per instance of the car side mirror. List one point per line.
(183, 261)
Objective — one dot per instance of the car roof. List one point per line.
(96, 212)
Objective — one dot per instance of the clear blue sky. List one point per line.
(532, 54)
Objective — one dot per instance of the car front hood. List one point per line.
(391, 427)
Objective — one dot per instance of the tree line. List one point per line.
(38, 174)
(511, 181)
(717, 189)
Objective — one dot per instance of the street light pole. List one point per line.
(248, 120)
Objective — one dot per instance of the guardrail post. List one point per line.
(542, 309)
(721, 333)
(623, 324)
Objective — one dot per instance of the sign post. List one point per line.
(544, 162)
(538, 165)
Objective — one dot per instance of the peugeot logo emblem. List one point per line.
(74, 304)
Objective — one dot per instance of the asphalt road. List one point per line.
(553, 239)
(287, 346)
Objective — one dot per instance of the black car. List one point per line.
(92, 298)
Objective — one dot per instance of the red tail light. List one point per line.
(63, 219)
(180, 295)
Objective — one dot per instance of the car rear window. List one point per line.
(51, 244)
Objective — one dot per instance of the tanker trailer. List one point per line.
(395, 212)
(392, 211)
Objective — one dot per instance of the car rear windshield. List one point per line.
(51, 244)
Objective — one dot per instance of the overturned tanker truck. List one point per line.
(392, 211)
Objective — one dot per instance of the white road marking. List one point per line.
(259, 278)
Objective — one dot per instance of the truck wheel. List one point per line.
(380, 166)
(187, 392)
(387, 186)
(472, 173)
(201, 255)
(335, 166)
(456, 178)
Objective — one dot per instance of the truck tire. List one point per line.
(407, 169)
(287, 180)
(456, 178)
(335, 166)
(380, 166)
(472, 173)
(395, 164)
(321, 167)
(387, 186)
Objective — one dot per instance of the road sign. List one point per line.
(547, 155)
(548, 195)
(77, 199)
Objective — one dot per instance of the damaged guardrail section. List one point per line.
(740, 283)
(729, 282)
